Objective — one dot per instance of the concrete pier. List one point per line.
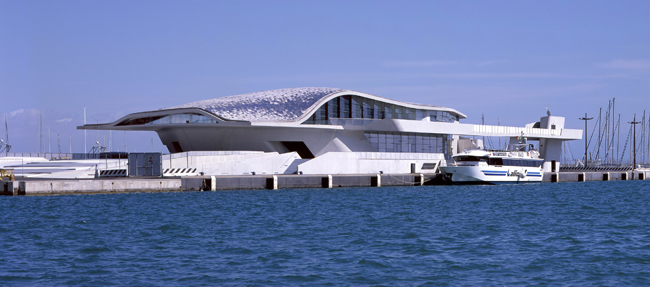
(53, 186)
(302, 181)
(205, 183)
(595, 176)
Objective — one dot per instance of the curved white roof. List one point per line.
(274, 105)
(282, 105)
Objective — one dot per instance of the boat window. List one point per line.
(467, 158)
(517, 162)
(496, 161)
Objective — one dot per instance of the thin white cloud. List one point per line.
(419, 63)
(488, 63)
(14, 113)
(28, 112)
(478, 93)
(66, 120)
(519, 76)
(342, 80)
(637, 64)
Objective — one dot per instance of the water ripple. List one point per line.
(542, 234)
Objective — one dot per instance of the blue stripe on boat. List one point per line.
(494, 173)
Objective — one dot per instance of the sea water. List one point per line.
(593, 233)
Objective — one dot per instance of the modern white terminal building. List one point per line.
(322, 131)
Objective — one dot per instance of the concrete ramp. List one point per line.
(293, 167)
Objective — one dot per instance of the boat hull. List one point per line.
(492, 174)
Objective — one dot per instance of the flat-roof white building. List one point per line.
(321, 131)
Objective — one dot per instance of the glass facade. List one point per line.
(355, 107)
(407, 142)
(440, 116)
(170, 119)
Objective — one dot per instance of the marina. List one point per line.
(322, 138)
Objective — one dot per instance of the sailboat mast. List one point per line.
(482, 123)
(606, 135)
(40, 132)
(6, 130)
(600, 120)
(85, 135)
(618, 140)
(614, 125)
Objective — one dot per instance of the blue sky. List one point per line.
(504, 59)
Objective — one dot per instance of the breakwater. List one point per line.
(204, 183)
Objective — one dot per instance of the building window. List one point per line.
(354, 107)
(407, 142)
(170, 119)
(440, 116)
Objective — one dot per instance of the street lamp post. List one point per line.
(586, 119)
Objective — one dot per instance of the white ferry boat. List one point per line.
(520, 163)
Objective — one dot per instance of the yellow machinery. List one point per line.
(6, 175)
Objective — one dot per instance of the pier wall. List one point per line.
(594, 176)
(204, 183)
(89, 186)
(302, 181)
(35, 187)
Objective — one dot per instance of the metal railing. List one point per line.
(399, 155)
(516, 130)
